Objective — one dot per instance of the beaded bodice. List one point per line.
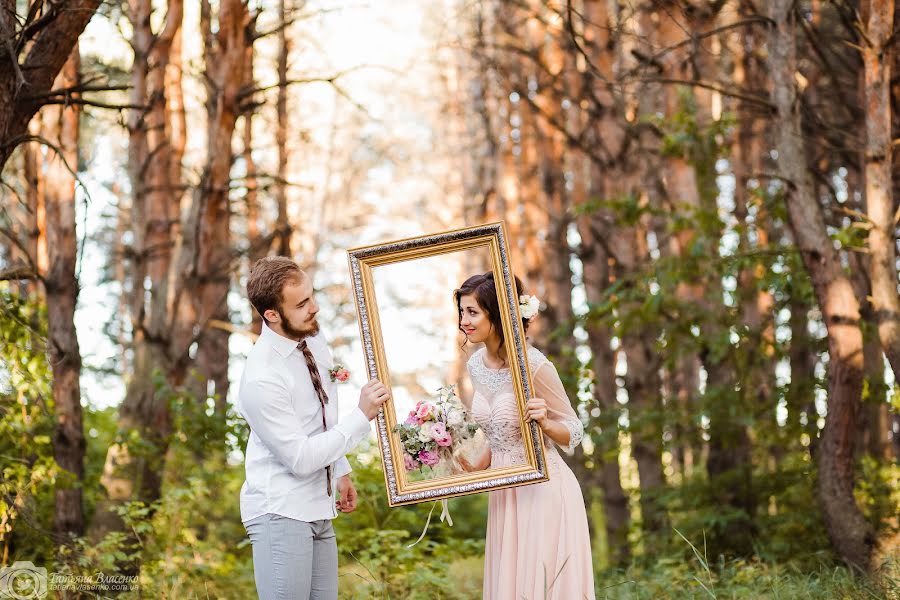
(494, 407)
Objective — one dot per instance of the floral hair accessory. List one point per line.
(339, 373)
(529, 306)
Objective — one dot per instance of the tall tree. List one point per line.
(45, 257)
(61, 285)
(32, 251)
(878, 50)
(284, 230)
(850, 534)
(255, 238)
(134, 471)
(210, 276)
(601, 44)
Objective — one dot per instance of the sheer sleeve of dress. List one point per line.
(549, 387)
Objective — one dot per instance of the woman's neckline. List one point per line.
(484, 364)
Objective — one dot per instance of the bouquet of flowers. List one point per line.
(434, 430)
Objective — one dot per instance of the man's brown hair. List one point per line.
(267, 280)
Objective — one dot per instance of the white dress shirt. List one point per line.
(287, 451)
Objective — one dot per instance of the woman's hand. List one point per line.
(536, 410)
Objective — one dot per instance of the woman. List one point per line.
(538, 544)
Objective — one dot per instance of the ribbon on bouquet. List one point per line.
(454, 467)
(445, 514)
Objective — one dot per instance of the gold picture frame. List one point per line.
(483, 240)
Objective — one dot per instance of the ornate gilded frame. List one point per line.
(362, 260)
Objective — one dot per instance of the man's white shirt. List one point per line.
(287, 451)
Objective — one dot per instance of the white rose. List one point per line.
(425, 432)
(455, 418)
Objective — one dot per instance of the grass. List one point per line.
(666, 579)
(738, 579)
(687, 577)
(698, 578)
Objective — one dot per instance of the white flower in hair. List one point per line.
(529, 306)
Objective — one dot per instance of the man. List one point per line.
(297, 476)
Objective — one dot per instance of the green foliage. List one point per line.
(685, 137)
(877, 492)
(100, 427)
(852, 236)
(628, 208)
(190, 543)
(700, 145)
(195, 544)
(29, 470)
(373, 542)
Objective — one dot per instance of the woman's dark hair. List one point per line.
(484, 290)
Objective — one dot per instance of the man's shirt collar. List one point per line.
(282, 345)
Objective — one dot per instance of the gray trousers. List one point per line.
(293, 560)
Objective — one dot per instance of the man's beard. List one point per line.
(295, 332)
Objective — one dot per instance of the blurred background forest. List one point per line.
(702, 193)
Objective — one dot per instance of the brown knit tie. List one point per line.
(320, 391)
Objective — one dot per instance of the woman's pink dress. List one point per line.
(538, 544)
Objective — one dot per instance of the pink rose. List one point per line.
(429, 457)
(440, 435)
(424, 411)
(339, 373)
(410, 463)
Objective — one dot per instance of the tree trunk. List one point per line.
(596, 279)
(255, 239)
(873, 425)
(283, 226)
(645, 407)
(851, 535)
(225, 67)
(61, 127)
(534, 217)
(21, 98)
(134, 472)
(34, 252)
(602, 45)
(479, 127)
(645, 415)
(554, 200)
(616, 177)
(877, 57)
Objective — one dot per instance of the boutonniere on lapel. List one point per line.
(339, 373)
